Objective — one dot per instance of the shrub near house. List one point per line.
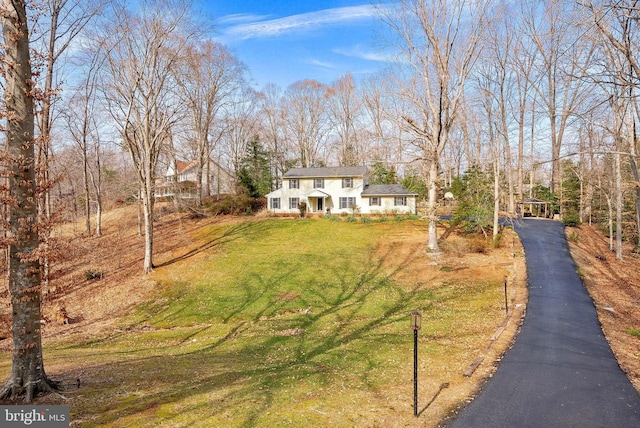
(338, 190)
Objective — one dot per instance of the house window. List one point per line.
(374, 201)
(400, 200)
(274, 203)
(318, 183)
(294, 183)
(347, 202)
(293, 203)
(347, 182)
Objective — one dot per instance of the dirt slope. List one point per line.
(614, 286)
(96, 279)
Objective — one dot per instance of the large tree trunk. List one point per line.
(496, 202)
(634, 168)
(618, 208)
(511, 203)
(148, 199)
(200, 184)
(521, 152)
(432, 210)
(99, 215)
(87, 192)
(148, 207)
(28, 377)
(96, 181)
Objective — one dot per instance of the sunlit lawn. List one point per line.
(278, 323)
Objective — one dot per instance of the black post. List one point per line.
(415, 373)
(416, 323)
(506, 304)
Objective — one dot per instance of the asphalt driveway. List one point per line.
(560, 371)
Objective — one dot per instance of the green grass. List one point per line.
(633, 331)
(278, 323)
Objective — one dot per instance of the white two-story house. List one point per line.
(338, 190)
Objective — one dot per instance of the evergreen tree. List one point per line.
(570, 203)
(544, 194)
(383, 175)
(415, 183)
(474, 192)
(255, 172)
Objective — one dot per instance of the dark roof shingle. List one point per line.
(387, 190)
(339, 171)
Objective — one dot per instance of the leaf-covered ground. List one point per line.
(614, 286)
(272, 322)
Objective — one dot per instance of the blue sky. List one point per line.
(283, 41)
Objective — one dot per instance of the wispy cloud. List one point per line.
(321, 64)
(241, 18)
(361, 52)
(302, 22)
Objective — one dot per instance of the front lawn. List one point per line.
(283, 322)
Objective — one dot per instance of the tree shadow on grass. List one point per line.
(230, 234)
(268, 352)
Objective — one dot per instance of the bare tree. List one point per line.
(498, 78)
(62, 22)
(619, 29)
(522, 63)
(489, 104)
(142, 51)
(492, 104)
(345, 108)
(440, 42)
(306, 119)
(375, 108)
(28, 376)
(209, 76)
(58, 24)
(239, 127)
(384, 136)
(271, 113)
(562, 54)
(81, 118)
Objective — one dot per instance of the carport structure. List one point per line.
(533, 207)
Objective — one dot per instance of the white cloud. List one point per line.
(360, 52)
(321, 64)
(240, 18)
(301, 22)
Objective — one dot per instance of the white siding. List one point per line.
(305, 192)
(330, 194)
(387, 206)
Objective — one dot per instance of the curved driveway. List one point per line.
(560, 371)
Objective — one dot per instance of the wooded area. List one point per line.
(495, 101)
(540, 95)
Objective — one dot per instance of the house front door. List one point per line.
(320, 204)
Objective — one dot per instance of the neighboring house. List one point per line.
(338, 190)
(181, 180)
